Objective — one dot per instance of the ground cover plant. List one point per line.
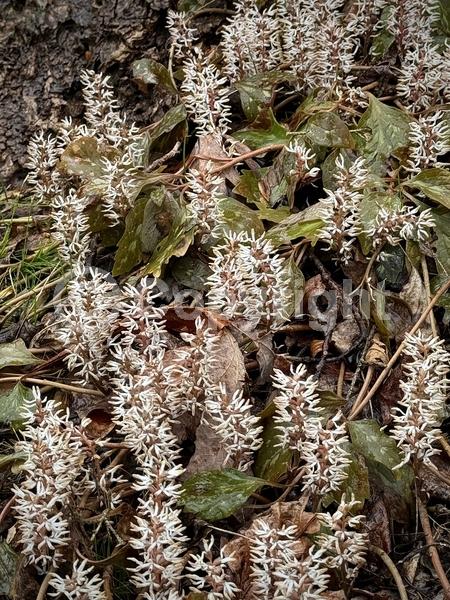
(223, 368)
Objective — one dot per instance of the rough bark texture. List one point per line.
(43, 46)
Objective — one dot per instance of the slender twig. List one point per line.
(445, 444)
(237, 159)
(340, 382)
(365, 387)
(392, 569)
(432, 550)
(55, 384)
(426, 281)
(5, 509)
(44, 585)
(398, 352)
(438, 474)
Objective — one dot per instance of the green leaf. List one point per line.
(442, 244)
(369, 207)
(160, 212)
(434, 183)
(272, 460)
(129, 249)
(157, 138)
(191, 272)
(175, 243)
(328, 130)
(382, 455)
(311, 106)
(265, 131)
(8, 565)
(306, 223)
(248, 184)
(214, 495)
(83, 158)
(16, 354)
(12, 461)
(256, 91)
(149, 71)
(357, 482)
(388, 129)
(273, 215)
(237, 217)
(330, 402)
(12, 404)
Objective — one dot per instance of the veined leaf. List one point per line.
(265, 131)
(328, 130)
(382, 455)
(129, 250)
(434, 183)
(256, 91)
(214, 495)
(272, 460)
(16, 354)
(12, 404)
(149, 71)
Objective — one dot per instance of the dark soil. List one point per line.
(44, 44)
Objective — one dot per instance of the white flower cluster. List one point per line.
(251, 40)
(418, 416)
(341, 207)
(299, 419)
(205, 95)
(424, 70)
(43, 178)
(71, 226)
(277, 572)
(86, 319)
(304, 156)
(80, 585)
(248, 280)
(54, 456)
(405, 223)
(344, 545)
(182, 37)
(116, 170)
(428, 139)
(204, 193)
(215, 577)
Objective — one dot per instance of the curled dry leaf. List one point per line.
(377, 354)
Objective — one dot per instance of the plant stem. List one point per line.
(432, 551)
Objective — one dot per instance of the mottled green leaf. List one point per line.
(369, 208)
(214, 495)
(237, 217)
(442, 244)
(388, 129)
(311, 106)
(12, 404)
(16, 354)
(175, 243)
(157, 138)
(306, 223)
(159, 213)
(328, 130)
(191, 272)
(149, 71)
(83, 158)
(8, 565)
(265, 130)
(248, 184)
(12, 461)
(273, 215)
(129, 249)
(382, 455)
(256, 91)
(434, 183)
(272, 460)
